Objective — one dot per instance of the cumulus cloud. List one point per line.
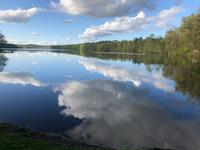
(18, 15)
(127, 24)
(137, 77)
(116, 116)
(164, 17)
(102, 8)
(19, 78)
(119, 25)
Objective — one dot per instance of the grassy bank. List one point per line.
(13, 137)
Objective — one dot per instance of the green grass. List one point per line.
(10, 140)
(13, 137)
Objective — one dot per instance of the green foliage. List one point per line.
(138, 45)
(186, 38)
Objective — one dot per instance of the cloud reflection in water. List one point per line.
(19, 78)
(134, 75)
(115, 115)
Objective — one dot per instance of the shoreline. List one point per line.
(58, 142)
(46, 137)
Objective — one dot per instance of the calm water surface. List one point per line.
(111, 102)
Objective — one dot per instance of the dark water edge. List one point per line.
(52, 138)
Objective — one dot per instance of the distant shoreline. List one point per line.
(121, 53)
(65, 50)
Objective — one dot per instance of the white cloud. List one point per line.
(19, 78)
(18, 15)
(116, 116)
(127, 24)
(164, 17)
(68, 98)
(102, 8)
(119, 25)
(170, 12)
(137, 77)
(35, 33)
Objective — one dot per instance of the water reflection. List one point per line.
(19, 78)
(129, 102)
(115, 114)
(185, 71)
(186, 74)
(3, 61)
(137, 74)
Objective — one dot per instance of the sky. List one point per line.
(50, 22)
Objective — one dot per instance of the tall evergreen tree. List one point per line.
(2, 40)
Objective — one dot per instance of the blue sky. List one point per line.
(75, 21)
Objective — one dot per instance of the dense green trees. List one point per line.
(2, 40)
(186, 38)
(190, 32)
(182, 40)
(151, 44)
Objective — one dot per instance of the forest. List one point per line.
(182, 40)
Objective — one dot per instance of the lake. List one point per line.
(120, 101)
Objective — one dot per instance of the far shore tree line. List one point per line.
(182, 40)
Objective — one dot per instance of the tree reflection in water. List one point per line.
(185, 71)
(3, 61)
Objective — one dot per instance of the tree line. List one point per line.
(182, 40)
(2, 40)
(5, 44)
